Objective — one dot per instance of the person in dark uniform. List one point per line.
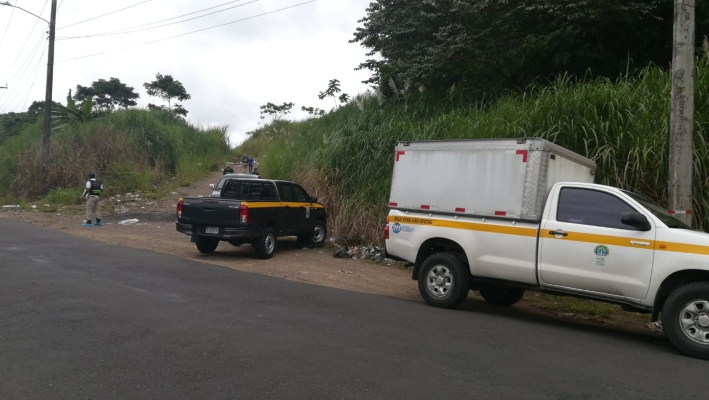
(227, 169)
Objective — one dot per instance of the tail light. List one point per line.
(244, 216)
(179, 208)
(386, 230)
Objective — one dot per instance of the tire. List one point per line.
(266, 245)
(316, 238)
(501, 295)
(685, 319)
(207, 245)
(444, 281)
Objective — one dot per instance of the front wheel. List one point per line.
(266, 245)
(207, 245)
(685, 319)
(444, 281)
(501, 295)
(316, 238)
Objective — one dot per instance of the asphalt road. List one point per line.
(84, 320)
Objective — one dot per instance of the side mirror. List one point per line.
(211, 186)
(313, 199)
(636, 220)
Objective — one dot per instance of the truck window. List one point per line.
(658, 211)
(591, 207)
(241, 190)
(285, 190)
(300, 194)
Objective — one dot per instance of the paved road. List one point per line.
(83, 320)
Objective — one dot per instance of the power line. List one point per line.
(4, 35)
(36, 70)
(103, 15)
(28, 37)
(21, 83)
(160, 26)
(124, 30)
(189, 33)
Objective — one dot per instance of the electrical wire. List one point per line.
(188, 33)
(103, 15)
(161, 26)
(28, 37)
(18, 88)
(36, 71)
(4, 35)
(117, 31)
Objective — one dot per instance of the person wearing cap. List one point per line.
(92, 194)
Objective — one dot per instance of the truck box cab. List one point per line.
(502, 228)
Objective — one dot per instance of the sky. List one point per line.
(289, 54)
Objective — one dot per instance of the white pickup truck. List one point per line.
(508, 215)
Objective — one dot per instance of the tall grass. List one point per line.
(128, 150)
(623, 125)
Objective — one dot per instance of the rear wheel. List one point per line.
(501, 295)
(266, 245)
(207, 245)
(685, 319)
(444, 280)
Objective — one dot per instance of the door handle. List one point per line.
(558, 232)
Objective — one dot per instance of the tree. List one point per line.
(275, 112)
(167, 88)
(492, 46)
(107, 94)
(333, 88)
(312, 111)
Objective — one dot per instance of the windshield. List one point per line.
(658, 211)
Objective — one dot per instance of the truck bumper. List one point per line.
(225, 233)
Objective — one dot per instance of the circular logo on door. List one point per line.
(396, 228)
(601, 250)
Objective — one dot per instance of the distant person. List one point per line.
(92, 193)
(251, 164)
(244, 162)
(255, 171)
(227, 169)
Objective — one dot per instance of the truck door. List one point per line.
(585, 247)
(305, 216)
(288, 215)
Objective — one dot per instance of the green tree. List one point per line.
(495, 45)
(167, 88)
(312, 111)
(107, 94)
(275, 112)
(333, 88)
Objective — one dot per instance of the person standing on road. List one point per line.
(251, 164)
(92, 193)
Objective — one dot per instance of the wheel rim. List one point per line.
(269, 243)
(439, 281)
(318, 234)
(694, 320)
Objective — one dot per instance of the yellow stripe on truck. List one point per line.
(274, 204)
(572, 236)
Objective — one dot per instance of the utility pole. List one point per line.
(682, 112)
(48, 94)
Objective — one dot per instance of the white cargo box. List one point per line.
(504, 178)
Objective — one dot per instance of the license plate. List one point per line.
(212, 229)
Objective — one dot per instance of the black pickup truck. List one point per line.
(255, 211)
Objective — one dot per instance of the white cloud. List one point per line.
(229, 71)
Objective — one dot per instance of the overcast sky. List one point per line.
(284, 56)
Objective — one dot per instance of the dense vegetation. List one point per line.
(128, 150)
(346, 156)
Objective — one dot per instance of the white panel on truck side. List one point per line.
(481, 181)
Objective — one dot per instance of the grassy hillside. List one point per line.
(128, 150)
(346, 157)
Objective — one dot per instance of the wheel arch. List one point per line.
(672, 282)
(437, 245)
